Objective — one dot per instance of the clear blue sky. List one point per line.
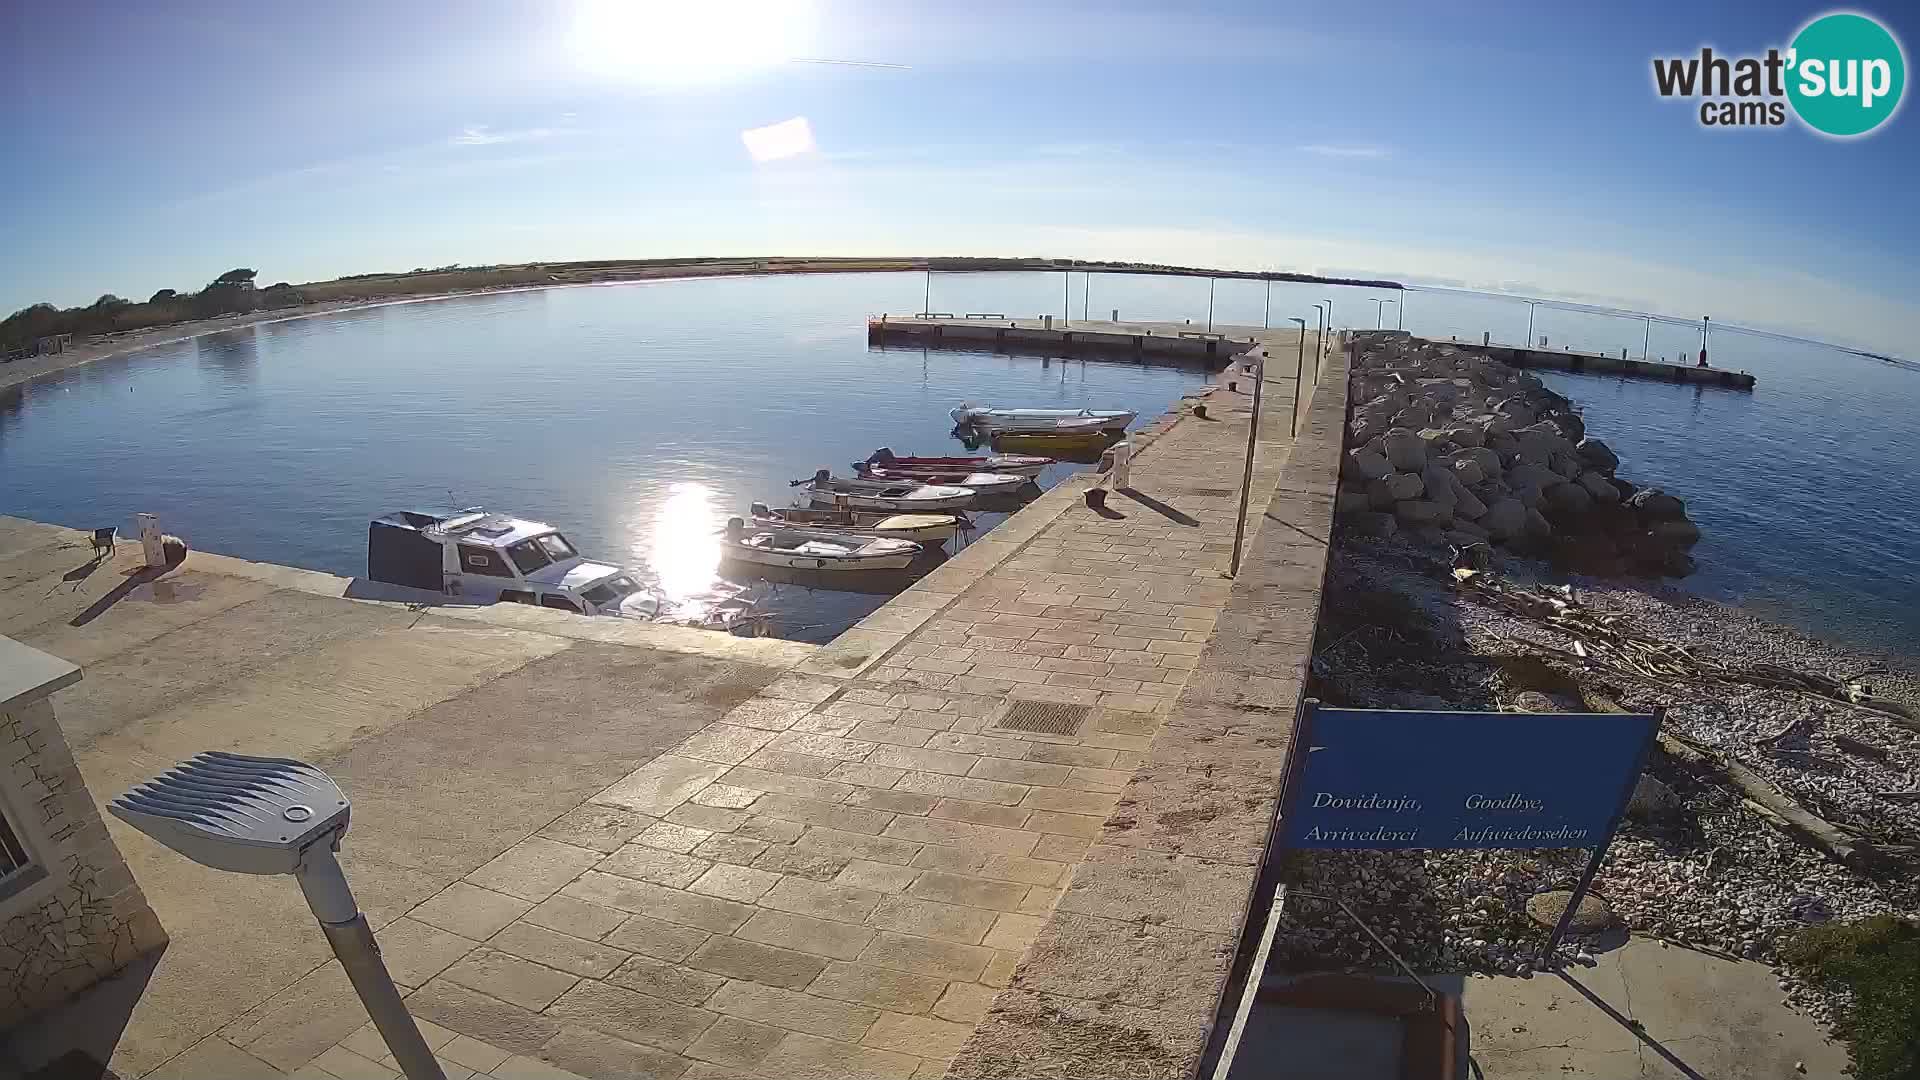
(1510, 146)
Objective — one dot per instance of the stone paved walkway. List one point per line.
(837, 877)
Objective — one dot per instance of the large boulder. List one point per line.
(1539, 446)
(1504, 518)
(1537, 524)
(1598, 456)
(1467, 470)
(1487, 460)
(1406, 450)
(1368, 465)
(1601, 488)
(1373, 524)
(1678, 532)
(1437, 480)
(1403, 485)
(1656, 505)
(1466, 504)
(1466, 435)
(1569, 498)
(1415, 416)
(1351, 502)
(1423, 512)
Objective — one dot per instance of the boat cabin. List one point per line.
(484, 558)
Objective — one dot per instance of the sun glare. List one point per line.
(681, 42)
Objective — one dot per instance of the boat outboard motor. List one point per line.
(885, 453)
(735, 527)
(759, 510)
(821, 476)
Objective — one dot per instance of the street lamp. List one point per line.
(1246, 477)
(1266, 314)
(1401, 314)
(1378, 307)
(1329, 303)
(1299, 361)
(1209, 305)
(1319, 339)
(257, 815)
(1528, 344)
(1646, 339)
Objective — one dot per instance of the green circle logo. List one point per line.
(1846, 74)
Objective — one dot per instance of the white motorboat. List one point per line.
(483, 558)
(1017, 464)
(1049, 421)
(846, 492)
(980, 482)
(924, 528)
(812, 549)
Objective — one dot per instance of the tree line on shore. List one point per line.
(231, 293)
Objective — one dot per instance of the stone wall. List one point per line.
(84, 917)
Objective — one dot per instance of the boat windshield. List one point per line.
(532, 554)
(611, 590)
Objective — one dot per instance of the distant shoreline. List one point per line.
(382, 290)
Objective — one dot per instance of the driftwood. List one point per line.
(1767, 802)
(1605, 640)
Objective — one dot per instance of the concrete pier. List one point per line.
(588, 845)
(1184, 341)
(1604, 364)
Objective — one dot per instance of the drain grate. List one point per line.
(1209, 493)
(1042, 717)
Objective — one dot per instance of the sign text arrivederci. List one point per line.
(1388, 779)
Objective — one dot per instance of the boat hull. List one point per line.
(1010, 464)
(1042, 420)
(925, 528)
(842, 563)
(980, 483)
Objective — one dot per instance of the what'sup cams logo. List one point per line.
(1843, 76)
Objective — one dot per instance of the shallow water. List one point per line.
(637, 417)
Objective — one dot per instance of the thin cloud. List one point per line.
(1337, 151)
(482, 135)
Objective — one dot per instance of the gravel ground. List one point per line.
(1709, 874)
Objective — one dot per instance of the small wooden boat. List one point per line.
(1083, 448)
(894, 494)
(1017, 464)
(811, 549)
(981, 483)
(924, 528)
(1057, 421)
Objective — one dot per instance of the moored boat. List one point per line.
(1057, 421)
(1082, 447)
(925, 528)
(980, 482)
(1017, 464)
(484, 558)
(812, 549)
(894, 494)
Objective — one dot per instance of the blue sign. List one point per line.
(1387, 779)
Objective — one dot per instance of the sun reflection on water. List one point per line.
(685, 556)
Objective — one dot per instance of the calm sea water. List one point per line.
(637, 417)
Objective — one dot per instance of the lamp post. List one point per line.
(1646, 339)
(1086, 294)
(1246, 476)
(1319, 340)
(1378, 307)
(1266, 314)
(1066, 295)
(1529, 342)
(926, 300)
(1329, 302)
(1401, 314)
(1299, 361)
(1209, 305)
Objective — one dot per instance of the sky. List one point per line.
(1514, 147)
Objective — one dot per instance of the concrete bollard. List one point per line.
(152, 544)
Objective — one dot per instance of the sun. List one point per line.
(682, 42)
